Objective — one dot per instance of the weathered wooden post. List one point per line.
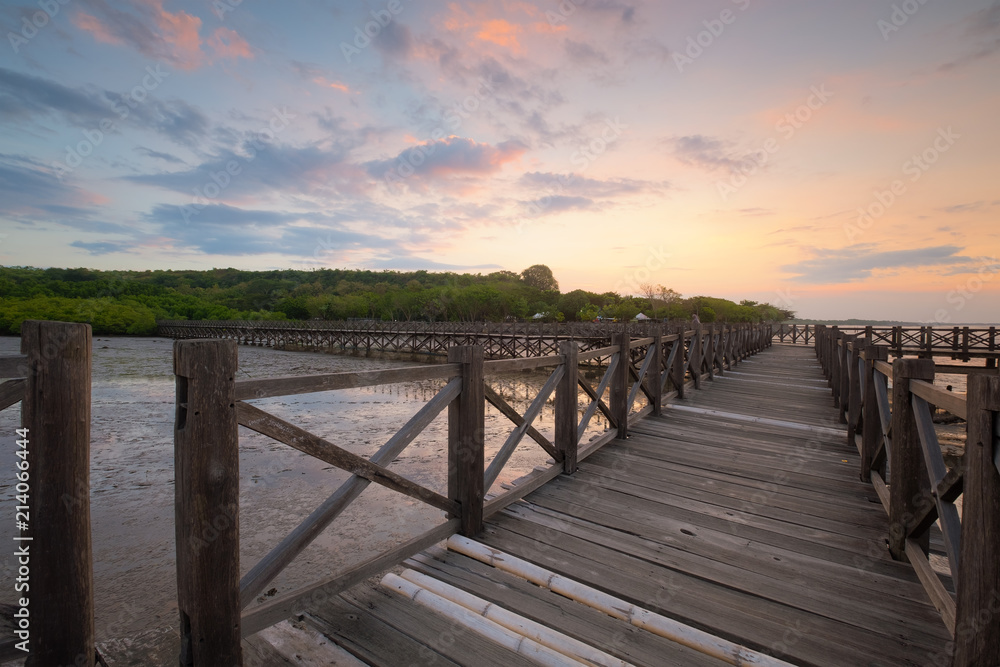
(654, 378)
(819, 339)
(55, 411)
(845, 376)
(567, 406)
(835, 338)
(207, 496)
(696, 355)
(678, 369)
(909, 486)
(871, 434)
(620, 383)
(855, 397)
(710, 351)
(466, 432)
(977, 637)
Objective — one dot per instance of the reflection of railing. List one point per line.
(214, 601)
(957, 342)
(897, 428)
(52, 494)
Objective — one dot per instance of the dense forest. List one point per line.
(130, 302)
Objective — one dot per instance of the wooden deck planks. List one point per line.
(762, 533)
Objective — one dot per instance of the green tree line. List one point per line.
(130, 302)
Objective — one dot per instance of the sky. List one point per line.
(837, 159)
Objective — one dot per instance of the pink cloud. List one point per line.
(482, 25)
(336, 85)
(180, 34)
(173, 37)
(447, 159)
(93, 25)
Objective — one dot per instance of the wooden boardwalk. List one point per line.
(739, 512)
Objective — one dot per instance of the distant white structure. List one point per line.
(642, 317)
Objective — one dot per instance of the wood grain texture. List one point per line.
(567, 404)
(56, 412)
(620, 386)
(466, 432)
(871, 432)
(978, 607)
(909, 486)
(207, 488)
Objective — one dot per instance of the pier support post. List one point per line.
(466, 430)
(835, 338)
(654, 380)
(977, 640)
(567, 407)
(710, 351)
(909, 486)
(845, 376)
(207, 493)
(620, 383)
(56, 413)
(854, 395)
(678, 369)
(696, 355)
(819, 342)
(871, 434)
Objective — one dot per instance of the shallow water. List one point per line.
(132, 491)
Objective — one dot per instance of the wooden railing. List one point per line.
(51, 480)
(211, 404)
(500, 340)
(893, 406)
(962, 343)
